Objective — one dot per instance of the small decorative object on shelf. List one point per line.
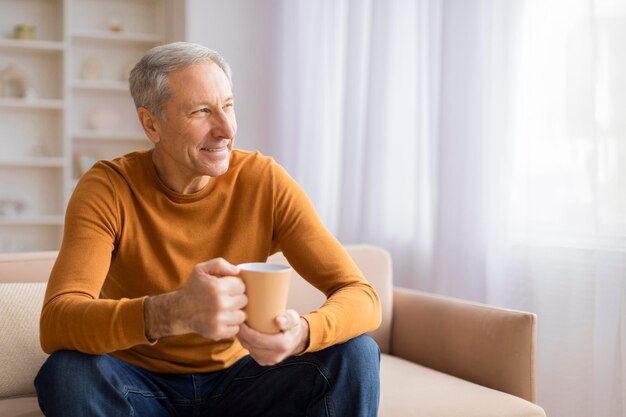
(11, 207)
(14, 83)
(24, 31)
(115, 23)
(103, 119)
(85, 160)
(92, 69)
(30, 93)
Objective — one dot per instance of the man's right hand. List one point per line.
(209, 304)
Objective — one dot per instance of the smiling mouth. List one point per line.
(223, 148)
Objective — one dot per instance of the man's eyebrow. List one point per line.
(197, 103)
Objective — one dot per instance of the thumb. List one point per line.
(288, 320)
(218, 267)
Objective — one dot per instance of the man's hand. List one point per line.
(270, 349)
(209, 304)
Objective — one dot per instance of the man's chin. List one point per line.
(215, 170)
(215, 165)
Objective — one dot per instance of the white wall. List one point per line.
(245, 33)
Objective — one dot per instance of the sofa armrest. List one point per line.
(486, 345)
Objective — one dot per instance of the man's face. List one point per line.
(197, 135)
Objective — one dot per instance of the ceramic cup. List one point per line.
(267, 287)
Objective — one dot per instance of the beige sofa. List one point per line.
(441, 357)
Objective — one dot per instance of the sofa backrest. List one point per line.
(23, 279)
(27, 266)
(375, 264)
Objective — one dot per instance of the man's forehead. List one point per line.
(199, 85)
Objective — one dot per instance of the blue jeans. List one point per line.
(342, 381)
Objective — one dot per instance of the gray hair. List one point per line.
(148, 80)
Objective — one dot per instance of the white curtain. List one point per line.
(563, 245)
(483, 142)
(357, 122)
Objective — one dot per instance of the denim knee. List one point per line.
(64, 367)
(65, 378)
(354, 367)
(356, 359)
(362, 352)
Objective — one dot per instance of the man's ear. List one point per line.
(150, 124)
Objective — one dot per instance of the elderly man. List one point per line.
(143, 311)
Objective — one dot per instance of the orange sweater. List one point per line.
(128, 236)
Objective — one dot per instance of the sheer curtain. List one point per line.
(563, 248)
(359, 79)
(483, 143)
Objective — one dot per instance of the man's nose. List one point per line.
(224, 127)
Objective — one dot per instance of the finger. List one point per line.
(288, 320)
(257, 341)
(263, 355)
(234, 318)
(231, 331)
(244, 337)
(233, 285)
(245, 333)
(218, 267)
(240, 301)
(260, 354)
(234, 302)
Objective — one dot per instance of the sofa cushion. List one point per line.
(411, 390)
(20, 407)
(20, 307)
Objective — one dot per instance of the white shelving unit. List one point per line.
(31, 45)
(101, 35)
(73, 114)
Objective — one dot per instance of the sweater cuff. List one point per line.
(316, 332)
(135, 331)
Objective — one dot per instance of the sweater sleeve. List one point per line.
(352, 306)
(72, 316)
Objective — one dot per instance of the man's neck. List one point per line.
(176, 180)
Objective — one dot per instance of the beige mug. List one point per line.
(267, 288)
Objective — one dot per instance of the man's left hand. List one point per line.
(270, 349)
